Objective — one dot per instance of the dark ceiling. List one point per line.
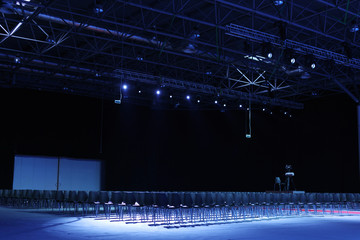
(207, 49)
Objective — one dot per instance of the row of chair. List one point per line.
(182, 207)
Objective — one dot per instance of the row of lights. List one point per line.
(216, 102)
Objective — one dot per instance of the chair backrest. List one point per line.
(198, 200)
(73, 196)
(188, 200)
(82, 196)
(208, 199)
(104, 197)
(174, 200)
(219, 199)
(161, 200)
(116, 197)
(148, 199)
(129, 198)
(60, 197)
(93, 197)
(36, 194)
(229, 198)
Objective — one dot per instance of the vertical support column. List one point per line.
(358, 125)
(58, 175)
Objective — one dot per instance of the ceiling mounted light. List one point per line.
(354, 26)
(267, 50)
(278, 2)
(98, 9)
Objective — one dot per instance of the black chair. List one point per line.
(116, 201)
(92, 201)
(35, 199)
(103, 201)
(160, 207)
(82, 197)
(187, 205)
(174, 207)
(60, 199)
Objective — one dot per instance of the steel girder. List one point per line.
(184, 41)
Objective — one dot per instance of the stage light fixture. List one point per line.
(240, 106)
(188, 97)
(292, 60)
(278, 2)
(354, 26)
(17, 60)
(98, 9)
(267, 50)
(216, 102)
(224, 105)
(158, 92)
(125, 86)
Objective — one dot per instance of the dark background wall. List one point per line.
(148, 149)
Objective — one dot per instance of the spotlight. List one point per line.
(292, 60)
(240, 106)
(170, 96)
(125, 87)
(98, 9)
(198, 99)
(224, 105)
(310, 61)
(263, 109)
(266, 50)
(188, 97)
(140, 58)
(158, 92)
(139, 91)
(216, 102)
(17, 60)
(278, 2)
(354, 26)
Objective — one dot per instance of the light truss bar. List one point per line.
(301, 48)
(204, 89)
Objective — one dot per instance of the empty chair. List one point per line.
(174, 214)
(115, 201)
(36, 198)
(60, 198)
(160, 207)
(92, 201)
(129, 205)
(103, 201)
(82, 197)
(71, 201)
(147, 206)
(187, 207)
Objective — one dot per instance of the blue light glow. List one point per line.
(188, 97)
(158, 92)
(125, 86)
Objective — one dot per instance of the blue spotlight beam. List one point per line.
(301, 48)
(204, 89)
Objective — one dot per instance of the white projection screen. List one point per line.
(42, 173)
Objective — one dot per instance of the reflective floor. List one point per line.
(27, 224)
